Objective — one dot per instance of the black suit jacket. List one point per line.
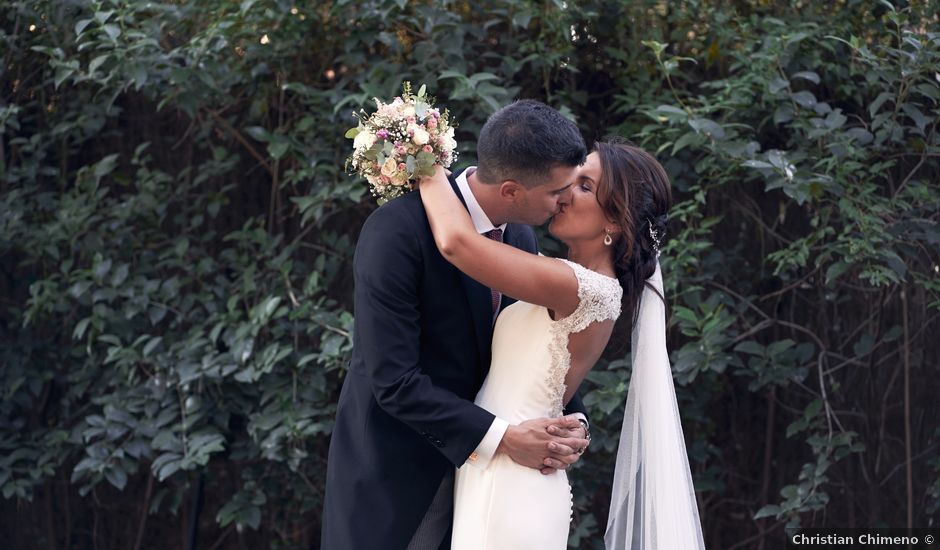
(421, 351)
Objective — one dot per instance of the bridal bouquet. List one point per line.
(400, 142)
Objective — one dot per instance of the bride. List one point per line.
(545, 343)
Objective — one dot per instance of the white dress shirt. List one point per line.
(487, 448)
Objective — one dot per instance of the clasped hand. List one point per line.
(545, 444)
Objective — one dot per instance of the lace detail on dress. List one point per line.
(599, 300)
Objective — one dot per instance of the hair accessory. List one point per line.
(607, 240)
(654, 234)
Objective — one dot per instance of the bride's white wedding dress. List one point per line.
(508, 506)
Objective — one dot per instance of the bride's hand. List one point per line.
(439, 173)
(531, 444)
(572, 430)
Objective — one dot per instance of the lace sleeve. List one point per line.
(599, 299)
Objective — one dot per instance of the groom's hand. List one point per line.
(544, 444)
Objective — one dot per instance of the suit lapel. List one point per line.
(481, 305)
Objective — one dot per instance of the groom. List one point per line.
(406, 416)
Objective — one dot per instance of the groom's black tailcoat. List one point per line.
(421, 351)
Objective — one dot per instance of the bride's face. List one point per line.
(581, 218)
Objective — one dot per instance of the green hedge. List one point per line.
(176, 230)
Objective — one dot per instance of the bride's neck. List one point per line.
(594, 256)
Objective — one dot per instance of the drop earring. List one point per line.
(607, 240)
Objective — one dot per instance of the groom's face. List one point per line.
(535, 205)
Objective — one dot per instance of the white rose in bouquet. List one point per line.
(364, 140)
(420, 136)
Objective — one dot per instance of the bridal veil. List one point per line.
(653, 504)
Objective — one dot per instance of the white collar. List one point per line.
(481, 221)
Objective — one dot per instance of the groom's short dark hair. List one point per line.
(524, 140)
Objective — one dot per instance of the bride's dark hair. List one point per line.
(633, 192)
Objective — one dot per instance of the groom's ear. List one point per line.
(511, 190)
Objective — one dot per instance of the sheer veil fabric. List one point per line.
(653, 504)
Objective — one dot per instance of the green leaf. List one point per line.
(864, 345)
(139, 76)
(807, 75)
(61, 74)
(875, 105)
(81, 25)
(778, 84)
(103, 16)
(119, 275)
(258, 133)
(116, 476)
(450, 73)
(835, 120)
(277, 149)
(481, 77)
(783, 114)
(812, 410)
(102, 268)
(271, 305)
(151, 345)
(919, 118)
(708, 127)
(671, 111)
(685, 314)
(771, 510)
(106, 165)
(779, 347)
(804, 98)
(750, 347)
(80, 328)
(835, 270)
(97, 62)
(796, 427)
(687, 139)
(657, 47)
(113, 31)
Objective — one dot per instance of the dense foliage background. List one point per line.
(176, 231)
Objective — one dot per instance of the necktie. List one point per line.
(496, 235)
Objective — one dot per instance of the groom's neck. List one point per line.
(488, 197)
